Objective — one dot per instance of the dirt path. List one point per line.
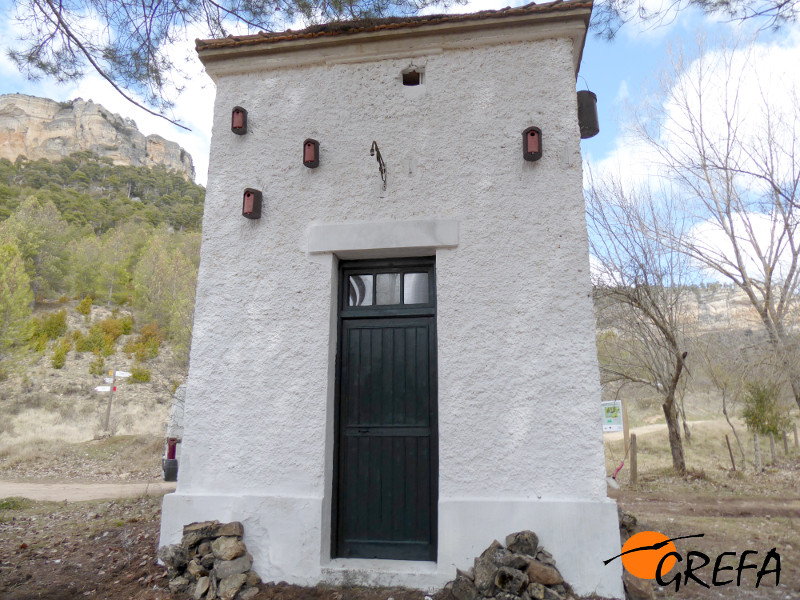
(668, 505)
(615, 436)
(76, 492)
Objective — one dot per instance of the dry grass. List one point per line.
(127, 458)
(81, 418)
(708, 462)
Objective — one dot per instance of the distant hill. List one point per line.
(91, 191)
(39, 128)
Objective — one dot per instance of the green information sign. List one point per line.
(612, 415)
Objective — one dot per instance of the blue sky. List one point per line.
(617, 71)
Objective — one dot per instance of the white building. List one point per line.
(464, 402)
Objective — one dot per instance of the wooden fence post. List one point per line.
(757, 452)
(634, 466)
(794, 426)
(772, 448)
(785, 444)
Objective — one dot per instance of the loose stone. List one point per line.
(247, 593)
(207, 561)
(464, 589)
(229, 586)
(204, 548)
(178, 585)
(510, 580)
(542, 573)
(515, 561)
(228, 548)
(233, 529)
(523, 542)
(201, 587)
(195, 569)
(227, 568)
(536, 591)
(173, 556)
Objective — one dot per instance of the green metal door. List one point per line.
(386, 447)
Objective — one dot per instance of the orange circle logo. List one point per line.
(644, 550)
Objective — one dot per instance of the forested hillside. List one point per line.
(125, 237)
(91, 191)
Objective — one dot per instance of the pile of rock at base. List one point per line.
(211, 563)
(519, 571)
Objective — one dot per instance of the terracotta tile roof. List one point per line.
(383, 24)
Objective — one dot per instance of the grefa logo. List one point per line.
(652, 555)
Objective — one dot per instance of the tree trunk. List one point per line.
(735, 434)
(675, 444)
(671, 414)
(795, 381)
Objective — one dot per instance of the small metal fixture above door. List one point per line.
(375, 151)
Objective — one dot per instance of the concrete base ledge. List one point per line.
(286, 538)
(374, 572)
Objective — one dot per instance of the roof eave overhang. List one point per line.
(251, 54)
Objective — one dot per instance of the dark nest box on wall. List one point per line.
(532, 144)
(251, 204)
(587, 114)
(239, 120)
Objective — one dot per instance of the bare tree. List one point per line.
(639, 283)
(730, 150)
(610, 15)
(727, 365)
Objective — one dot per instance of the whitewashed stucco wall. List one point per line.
(518, 379)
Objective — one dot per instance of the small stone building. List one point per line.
(393, 359)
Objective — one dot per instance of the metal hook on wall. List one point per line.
(375, 151)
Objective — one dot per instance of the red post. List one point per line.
(171, 444)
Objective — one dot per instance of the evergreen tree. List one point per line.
(15, 299)
(41, 236)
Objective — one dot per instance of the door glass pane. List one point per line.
(387, 288)
(415, 288)
(359, 290)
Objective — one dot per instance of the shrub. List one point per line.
(63, 300)
(38, 343)
(50, 327)
(54, 325)
(127, 324)
(763, 412)
(140, 374)
(98, 366)
(145, 346)
(85, 306)
(111, 327)
(60, 352)
(100, 339)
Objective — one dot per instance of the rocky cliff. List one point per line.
(42, 128)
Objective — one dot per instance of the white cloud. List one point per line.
(756, 76)
(751, 95)
(755, 238)
(623, 93)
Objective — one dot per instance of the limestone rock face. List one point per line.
(42, 128)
